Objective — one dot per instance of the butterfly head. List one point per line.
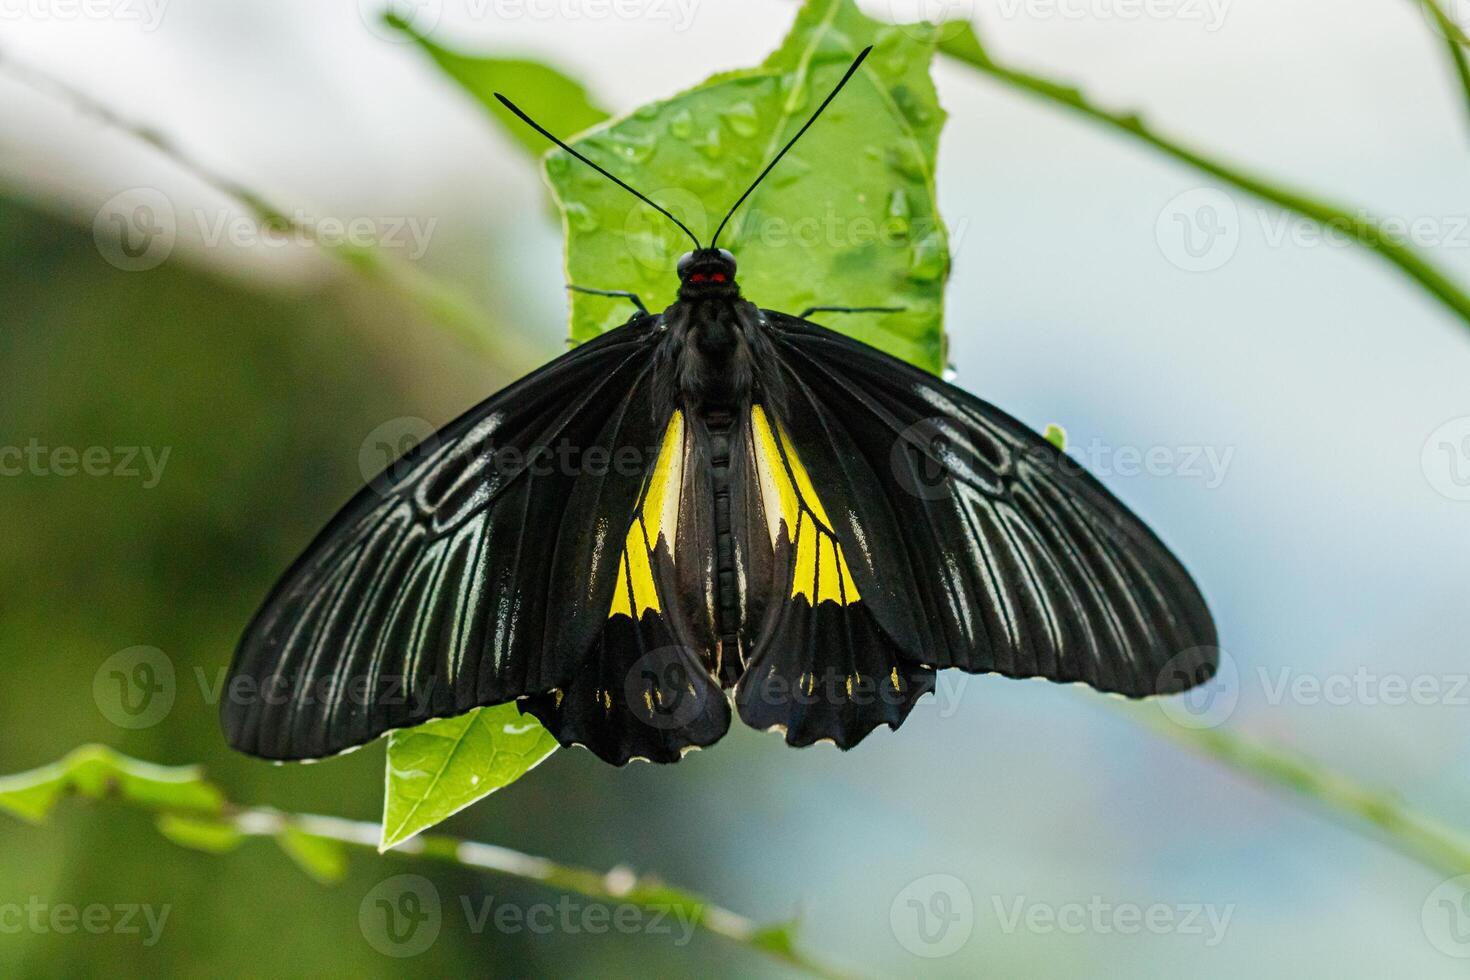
(707, 272)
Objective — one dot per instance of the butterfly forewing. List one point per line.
(469, 574)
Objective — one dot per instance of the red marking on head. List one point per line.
(718, 277)
(697, 277)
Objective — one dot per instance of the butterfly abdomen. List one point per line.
(720, 425)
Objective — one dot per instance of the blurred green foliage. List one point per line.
(258, 399)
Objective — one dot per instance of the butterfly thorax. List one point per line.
(711, 360)
(709, 335)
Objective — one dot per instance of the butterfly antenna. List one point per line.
(642, 197)
(851, 70)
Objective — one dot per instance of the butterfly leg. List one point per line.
(620, 293)
(849, 309)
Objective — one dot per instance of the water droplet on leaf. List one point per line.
(711, 145)
(704, 178)
(580, 217)
(904, 162)
(634, 149)
(792, 169)
(928, 261)
(899, 210)
(742, 119)
(834, 47)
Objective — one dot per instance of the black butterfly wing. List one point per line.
(820, 667)
(648, 688)
(478, 569)
(973, 542)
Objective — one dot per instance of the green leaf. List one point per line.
(320, 857)
(779, 939)
(555, 100)
(200, 833)
(962, 41)
(95, 771)
(1056, 435)
(438, 769)
(848, 218)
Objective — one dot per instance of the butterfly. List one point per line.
(712, 510)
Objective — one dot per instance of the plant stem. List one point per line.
(1428, 841)
(1363, 228)
(442, 303)
(1455, 41)
(1462, 68)
(617, 885)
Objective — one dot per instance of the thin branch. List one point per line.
(617, 885)
(1433, 844)
(439, 301)
(1462, 68)
(1363, 228)
(1455, 41)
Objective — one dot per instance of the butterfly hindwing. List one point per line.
(821, 668)
(974, 542)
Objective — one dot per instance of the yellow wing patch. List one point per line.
(821, 573)
(658, 513)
